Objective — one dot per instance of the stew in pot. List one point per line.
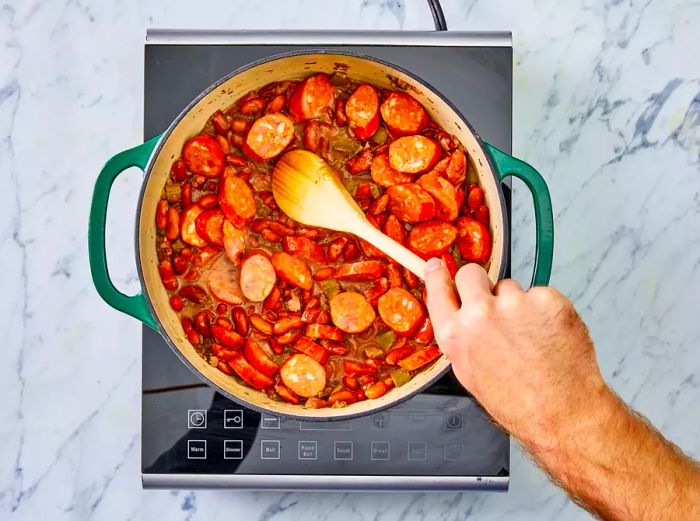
(307, 315)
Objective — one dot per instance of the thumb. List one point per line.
(441, 299)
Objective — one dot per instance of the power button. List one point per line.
(453, 422)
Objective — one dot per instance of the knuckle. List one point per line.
(467, 271)
(476, 312)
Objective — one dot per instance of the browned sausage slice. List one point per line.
(268, 137)
(446, 207)
(413, 154)
(400, 310)
(384, 175)
(410, 203)
(362, 111)
(209, 225)
(311, 97)
(203, 156)
(403, 115)
(292, 269)
(236, 199)
(430, 239)
(249, 373)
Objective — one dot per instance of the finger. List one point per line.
(442, 301)
(505, 286)
(473, 283)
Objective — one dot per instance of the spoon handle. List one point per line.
(393, 249)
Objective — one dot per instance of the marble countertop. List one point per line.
(606, 105)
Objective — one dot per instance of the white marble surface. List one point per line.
(606, 105)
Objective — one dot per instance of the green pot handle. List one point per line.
(544, 221)
(136, 305)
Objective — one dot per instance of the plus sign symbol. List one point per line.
(380, 420)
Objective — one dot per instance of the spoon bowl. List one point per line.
(310, 191)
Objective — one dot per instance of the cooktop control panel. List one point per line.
(432, 434)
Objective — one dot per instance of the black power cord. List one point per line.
(438, 16)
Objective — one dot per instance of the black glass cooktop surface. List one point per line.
(439, 439)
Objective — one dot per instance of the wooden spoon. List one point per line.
(310, 191)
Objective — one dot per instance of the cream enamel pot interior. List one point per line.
(156, 156)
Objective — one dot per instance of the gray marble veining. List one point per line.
(606, 105)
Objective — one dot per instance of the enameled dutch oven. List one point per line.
(155, 157)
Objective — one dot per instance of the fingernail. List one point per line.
(433, 265)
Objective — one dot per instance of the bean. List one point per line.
(224, 322)
(262, 325)
(277, 103)
(202, 321)
(276, 347)
(252, 106)
(289, 337)
(324, 273)
(269, 235)
(178, 171)
(236, 160)
(176, 303)
(239, 125)
(335, 348)
(224, 144)
(186, 196)
(208, 201)
(162, 214)
(165, 268)
(285, 324)
(350, 382)
(194, 337)
(240, 318)
(224, 368)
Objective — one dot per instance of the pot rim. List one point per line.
(147, 174)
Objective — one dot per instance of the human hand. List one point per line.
(526, 356)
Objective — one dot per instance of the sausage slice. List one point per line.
(360, 271)
(188, 227)
(351, 312)
(430, 239)
(268, 137)
(403, 115)
(384, 175)
(249, 373)
(210, 226)
(410, 203)
(413, 154)
(292, 269)
(446, 207)
(303, 375)
(257, 277)
(362, 111)
(473, 240)
(311, 97)
(203, 156)
(258, 358)
(400, 310)
(236, 199)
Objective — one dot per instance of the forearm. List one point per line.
(615, 464)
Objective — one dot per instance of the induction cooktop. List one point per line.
(193, 437)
